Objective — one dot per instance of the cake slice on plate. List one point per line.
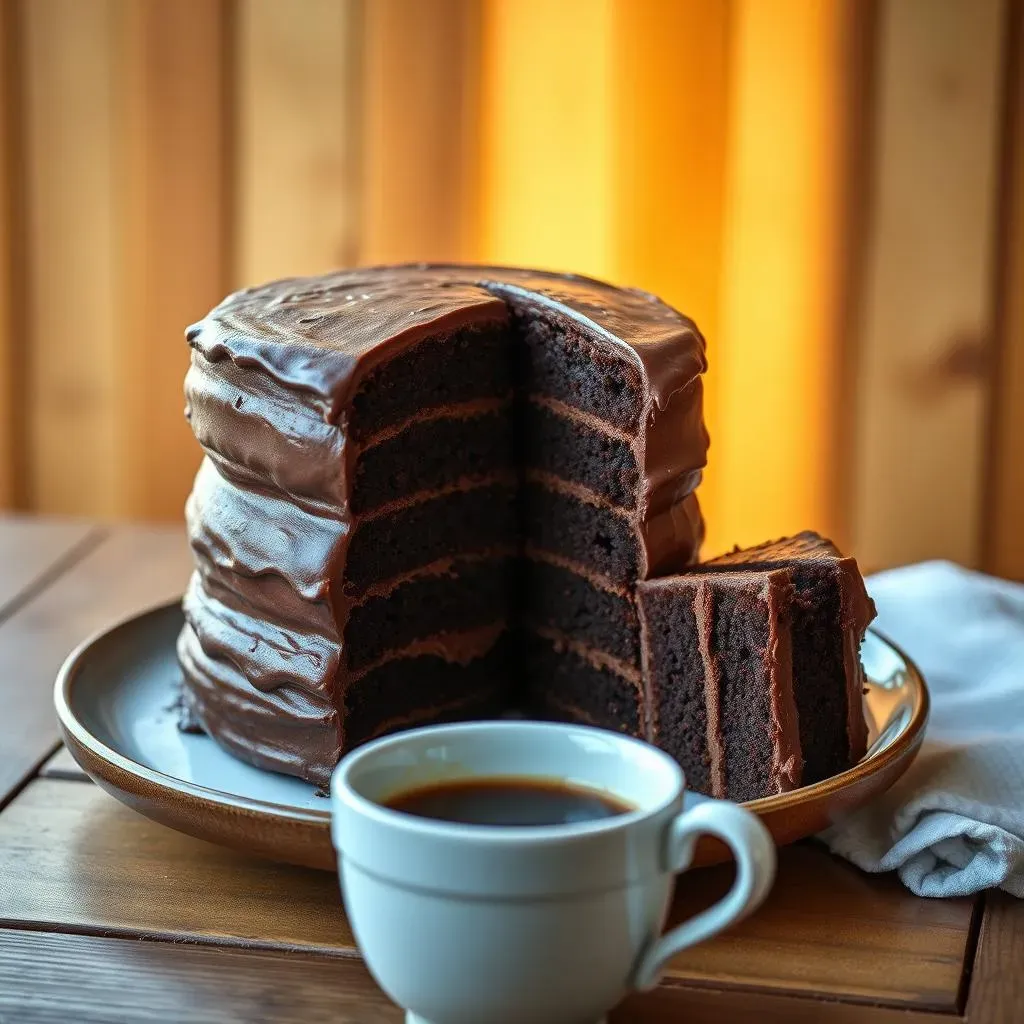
(752, 667)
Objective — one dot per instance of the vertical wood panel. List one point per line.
(1002, 533)
(926, 308)
(777, 355)
(670, 118)
(70, 59)
(298, 93)
(10, 200)
(546, 134)
(126, 244)
(171, 155)
(420, 118)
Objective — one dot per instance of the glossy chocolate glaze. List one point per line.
(274, 373)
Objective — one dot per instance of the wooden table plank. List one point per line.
(73, 858)
(997, 982)
(131, 568)
(53, 979)
(34, 550)
(63, 766)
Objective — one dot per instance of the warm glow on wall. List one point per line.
(689, 148)
(546, 140)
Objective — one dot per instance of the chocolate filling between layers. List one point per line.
(575, 688)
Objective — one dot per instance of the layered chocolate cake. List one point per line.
(752, 667)
(428, 493)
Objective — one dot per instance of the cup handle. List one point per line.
(751, 845)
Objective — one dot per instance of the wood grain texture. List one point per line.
(75, 859)
(297, 89)
(925, 334)
(11, 202)
(419, 119)
(63, 766)
(669, 172)
(1003, 539)
(125, 170)
(171, 161)
(32, 550)
(679, 1004)
(70, 56)
(54, 979)
(782, 271)
(131, 569)
(997, 981)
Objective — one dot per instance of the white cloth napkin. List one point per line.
(954, 824)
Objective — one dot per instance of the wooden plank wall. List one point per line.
(295, 122)
(124, 153)
(818, 183)
(925, 332)
(1003, 539)
(11, 201)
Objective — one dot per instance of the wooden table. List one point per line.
(106, 916)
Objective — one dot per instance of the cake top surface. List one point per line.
(322, 334)
(801, 547)
(806, 549)
(756, 580)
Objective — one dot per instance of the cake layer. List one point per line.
(252, 533)
(256, 426)
(550, 440)
(285, 729)
(451, 524)
(593, 536)
(460, 594)
(676, 696)
(433, 373)
(270, 655)
(558, 682)
(407, 690)
(556, 597)
(750, 638)
(831, 613)
(435, 453)
(560, 361)
(723, 638)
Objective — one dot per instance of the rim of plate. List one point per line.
(73, 729)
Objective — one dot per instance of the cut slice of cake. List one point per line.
(752, 667)
(719, 679)
(831, 613)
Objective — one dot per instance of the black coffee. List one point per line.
(508, 800)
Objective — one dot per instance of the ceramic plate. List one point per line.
(115, 702)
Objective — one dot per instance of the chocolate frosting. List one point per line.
(274, 372)
(324, 334)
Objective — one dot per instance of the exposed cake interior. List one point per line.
(717, 663)
(831, 611)
(514, 512)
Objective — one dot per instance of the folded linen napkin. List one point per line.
(954, 824)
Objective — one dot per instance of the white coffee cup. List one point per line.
(551, 924)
